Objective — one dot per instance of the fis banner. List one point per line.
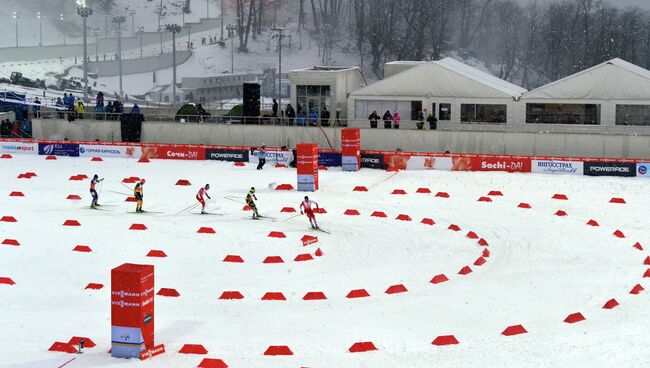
(643, 170)
(58, 149)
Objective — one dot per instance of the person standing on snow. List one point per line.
(199, 197)
(93, 192)
(250, 203)
(138, 193)
(306, 208)
(261, 156)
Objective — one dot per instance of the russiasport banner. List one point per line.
(606, 168)
(558, 167)
(19, 148)
(59, 149)
(86, 150)
(239, 155)
(643, 170)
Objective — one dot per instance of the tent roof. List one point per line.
(616, 79)
(442, 78)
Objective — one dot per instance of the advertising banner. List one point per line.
(481, 163)
(19, 148)
(173, 152)
(557, 167)
(643, 170)
(307, 165)
(241, 155)
(86, 150)
(373, 161)
(274, 157)
(351, 149)
(132, 310)
(401, 161)
(605, 168)
(329, 159)
(59, 149)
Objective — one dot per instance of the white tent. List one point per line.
(445, 87)
(618, 91)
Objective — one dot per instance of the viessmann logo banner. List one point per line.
(610, 169)
(558, 167)
(19, 148)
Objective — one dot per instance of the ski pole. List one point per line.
(112, 191)
(188, 208)
(292, 217)
(234, 200)
(126, 186)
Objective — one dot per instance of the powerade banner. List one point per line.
(373, 161)
(19, 148)
(86, 150)
(56, 149)
(643, 170)
(227, 155)
(610, 169)
(330, 159)
(558, 167)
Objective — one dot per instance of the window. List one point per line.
(563, 114)
(471, 113)
(363, 108)
(632, 114)
(416, 108)
(445, 112)
(313, 98)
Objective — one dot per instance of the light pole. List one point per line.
(63, 26)
(160, 27)
(84, 11)
(96, 31)
(118, 24)
(207, 9)
(132, 13)
(231, 34)
(221, 20)
(16, 16)
(40, 28)
(189, 36)
(141, 32)
(173, 28)
(279, 89)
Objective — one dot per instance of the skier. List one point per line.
(199, 197)
(249, 201)
(261, 156)
(93, 192)
(139, 195)
(305, 207)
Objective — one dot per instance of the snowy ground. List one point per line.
(540, 269)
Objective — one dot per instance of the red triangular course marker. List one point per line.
(646, 262)
(206, 230)
(360, 189)
(472, 235)
(396, 289)
(276, 234)
(240, 164)
(233, 259)
(138, 227)
(94, 286)
(281, 166)
(427, 221)
(482, 242)
(403, 217)
(88, 343)
(314, 295)
(362, 347)
(423, 191)
(480, 261)
(246, 208)
(445, 340)
(646, 274)
(6, 155)
(442, 195)
(71, 223)
(593, 223)
(617, 200)
(273, 259)
(131, 199)
(193, 349)
(288, 210)
(183, 182)
(13, 242)
(514, 330)
(8, 219)
(73, 197)
(351, 212)
(274, 296)
(378, 214)
(638, 246)
(50, 158)
(398, 192)
(284, 187)
(524, 205)
(318, 253)
(156, 253)
(212, 363)
(82, 248)
(62, 347)
(619, 234)
(560, 197)
(275, 350)
(485, 199)
(495, 193)
(231, 295)
(143, 160)
(303, 257)
(486, 253)
(574, 318)
(637, 289)
(465, 270)
(437, 279)
(453, 227)
(561, 213)
(16, 194)
(320, 210)
(95, 159)
(168, 292)
(6, 281)
(358, 293)
(611, 304)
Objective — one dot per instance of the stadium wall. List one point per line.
(476, 142)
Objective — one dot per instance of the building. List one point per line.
(453, 91)
(215, 88)
(612, 93)
(324, 87)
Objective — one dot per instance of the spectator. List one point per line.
(5, 129)
(374, 118)
(36, 108)
(66, 100)
(80, 109)
(313, 118)
(118, 106)
(325, 117)
(420, 122)
(433, 122)
(290, 113)
(71, 102)
(135, 110)
(15, 130)
(397, 118)
(338, 115)
(301, 120)
(275, 108)
(108, 110)
(100, 99)
(299, 109)
(388, 119)
(99, 113)
(59, 107)
(202, 112)
(26, 129)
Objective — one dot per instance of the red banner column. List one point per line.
(132, 310)
(307, 164)
(351, 149)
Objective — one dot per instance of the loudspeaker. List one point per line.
(251, 99)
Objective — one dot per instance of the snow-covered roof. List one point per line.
(615, 79)
(443, 78)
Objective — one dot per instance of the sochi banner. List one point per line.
(58, 149)
(558, 167)
(643, 170)
(86, 150)
(240, 155)
(593, 168)
(19, 148)
(170, 152)
(481, 163)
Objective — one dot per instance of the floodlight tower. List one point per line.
(173, 28)
(85, 11)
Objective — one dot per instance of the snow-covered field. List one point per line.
(541, 267)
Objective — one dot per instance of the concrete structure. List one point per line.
(612, 93)
(136, 66)
(454, 92)
(324, 86)
(524, 143)
(215, 87)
